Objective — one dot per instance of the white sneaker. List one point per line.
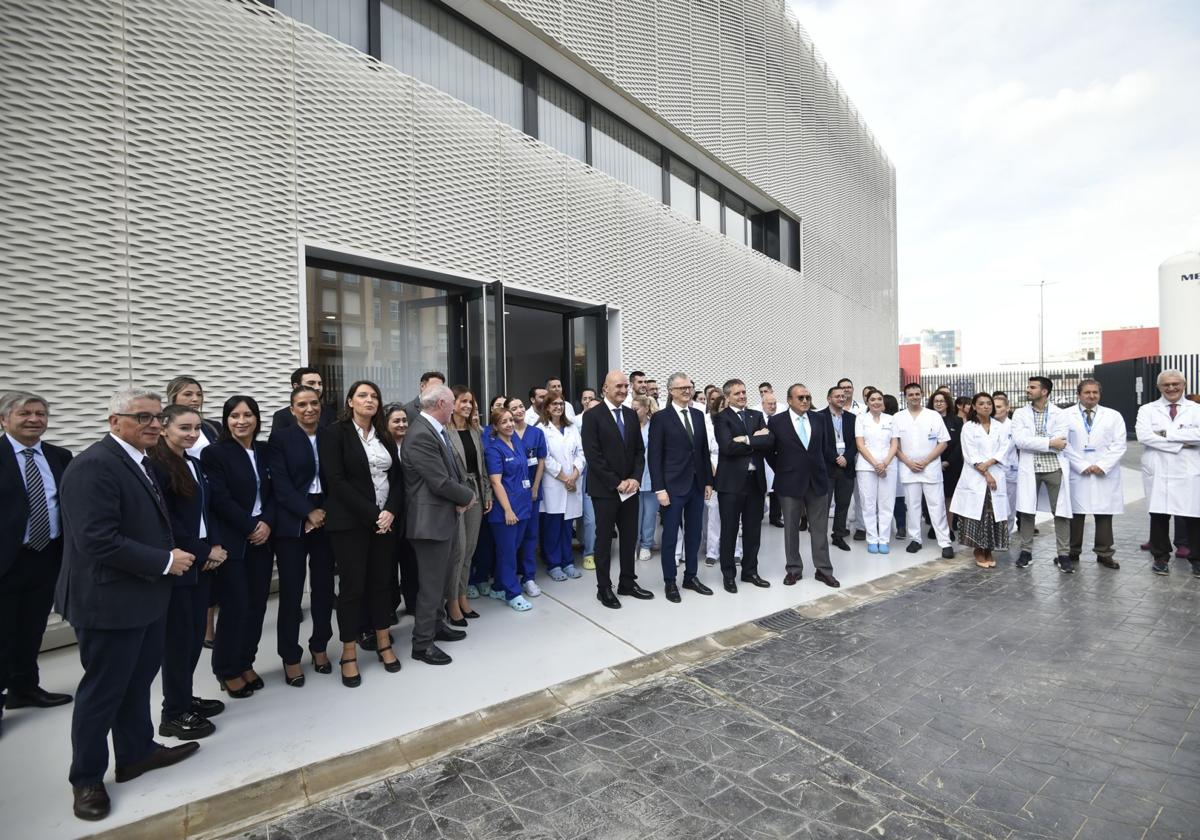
(644, 554)
(531, 588)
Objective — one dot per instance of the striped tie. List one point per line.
(39, 510)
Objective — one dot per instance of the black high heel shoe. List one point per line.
(257, 683)
(350, 682)
(294, 682)
(244, 691)
(390, 667)
(457, 622)
(471, 614)
(327, 668)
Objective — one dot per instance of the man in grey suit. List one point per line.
(436, 493)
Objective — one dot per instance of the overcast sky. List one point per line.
(1054, 140)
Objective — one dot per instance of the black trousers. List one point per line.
(842, 479)
(295, 556)
(410, 582)
(745, 508)
(245, 585)
(183, 641)
(774, 512)
(26, 596)
(364, 562)
(114, 696)
(1160, 535)
(622, 516)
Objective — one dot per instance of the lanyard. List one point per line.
(1087, 424)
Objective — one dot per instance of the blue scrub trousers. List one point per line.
(483, 563)
(529, 545)
(647, 517)
(587, 539)
(508, 540)
(556, 540)
(688, 511)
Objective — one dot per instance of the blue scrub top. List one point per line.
(534, 442)
(510, 465)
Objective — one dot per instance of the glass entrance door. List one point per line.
(585, 333)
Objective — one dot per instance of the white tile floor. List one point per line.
(567, 634)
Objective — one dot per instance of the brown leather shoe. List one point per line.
(91, 802)
(1108, 562)
(827, 579)
(161, 757)
(792, 577)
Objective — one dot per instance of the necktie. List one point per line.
(802, 430)
(742, 416)
(1089, 414)
(1174, 410)
(620, 421)
(39, 510)
(450, 456)
(150, 478)
(687, 424)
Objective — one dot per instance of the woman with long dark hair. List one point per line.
(244, 507)
(360, 470)
(395, 416)
(188, 497)
(467, 440)
(981, 499)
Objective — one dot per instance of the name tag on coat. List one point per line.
(531, 460)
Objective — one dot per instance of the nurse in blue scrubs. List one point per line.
(512, 506)
(534, 442)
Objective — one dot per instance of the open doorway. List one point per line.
(553, 338)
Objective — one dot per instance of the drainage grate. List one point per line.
(781, 621)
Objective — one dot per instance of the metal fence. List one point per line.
(1011, 382)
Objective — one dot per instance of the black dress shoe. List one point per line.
(432, 655)
(778, 523)
(913, 547)
(608, 598)
(161, 757)
(672, 592)
(948, 553)
(804, 523)
(91, 802)
(1108, 562)
(449, 634)
(730, 586)
(189, 726)
(327, 668)
(456, 622)
(634, 591)
(756, 580)
(791, 578)
(827, 579)
(696, 586)
(36, 697)
(207, 708)
(840, 543)
(860, 536)
(391, 667)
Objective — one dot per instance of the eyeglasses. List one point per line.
(681, 388)
(143, 418)
(557, 404)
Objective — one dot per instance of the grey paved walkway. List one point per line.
(1004, 704)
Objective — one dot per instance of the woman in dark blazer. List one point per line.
(360, 471)
(952, 456)
(300, 540)
(244, 508)
(188, 498)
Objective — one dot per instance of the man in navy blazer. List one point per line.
(115, 586)
(840, 454)
(31, 472)
(743, 440)
(800, 461)
(681, 476)
(304, 377)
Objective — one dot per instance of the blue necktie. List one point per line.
(802, 430)
(39, 508)
(620, 421)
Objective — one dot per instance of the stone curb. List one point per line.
(235, 810)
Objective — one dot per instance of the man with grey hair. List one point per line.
(1169, 429)
(31, 472)
(115, 587)
(436, 493)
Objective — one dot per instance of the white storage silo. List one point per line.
(1179, 304)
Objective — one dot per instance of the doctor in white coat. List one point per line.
(981, 497)
(1039, 431)
(1169, 429)
(562, 487)
(1095, 444)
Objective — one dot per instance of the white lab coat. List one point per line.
(1171, 464)
(1102, 447)
(563, 450)
(979, 446)
(1027, 441)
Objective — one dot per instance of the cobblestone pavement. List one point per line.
(1004, 704)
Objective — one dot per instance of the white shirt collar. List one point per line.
(796, 416)
(611, 407)
(433, 421)
(19, 447)
(136, 454)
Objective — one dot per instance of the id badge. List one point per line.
(1089, 449)
(933, 436)
(531, 460)
(525, 483)
(841, 447)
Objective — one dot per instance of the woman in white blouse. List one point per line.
(360, 471)
(562, 488)
(875, 472)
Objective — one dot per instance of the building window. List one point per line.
(710, 203)
(377, 309)
(345, 20)
(394, 310)
(561, 118)
(329, 334)
(423, 40)
(329, 301)
(735, 219)
(626, 154)
(683, 188)
(351, 305)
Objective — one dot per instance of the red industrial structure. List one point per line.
(1118, 345)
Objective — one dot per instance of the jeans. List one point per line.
(647, 517)
(588, 538)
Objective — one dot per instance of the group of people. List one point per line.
(372, 505)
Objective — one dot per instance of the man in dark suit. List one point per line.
(437, 492)
(429, 379)
(743, 440)
(681, 477)
(308, 377)
(800, 461)
(31, 472)
(841, 453)
(118, 553)
(612, 445)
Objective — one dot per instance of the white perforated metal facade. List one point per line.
(165, 162)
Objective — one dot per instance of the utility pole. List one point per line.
(1041, 287)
